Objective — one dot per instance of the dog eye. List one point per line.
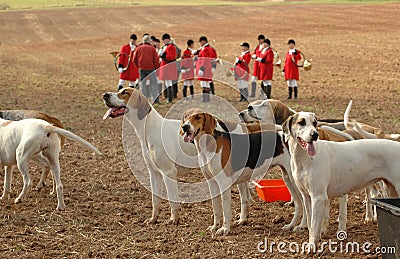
(315, 124)
(197, 117)
(302, 123)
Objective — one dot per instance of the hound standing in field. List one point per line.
(324, 169)
(21, 141)
(232, 159)
(16, 115)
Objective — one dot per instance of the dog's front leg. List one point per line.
(244, 193)
(7, 182)
(226, 205)
(216, 204)
(156, 188)
(342, 213)
(318, 211)
(306, 211)
(171, 184)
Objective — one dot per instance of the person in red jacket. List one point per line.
(205, 66)
(168, 68)
(126, 68)
(291, 70)
(242, 71)
(266, 66)
(187, 68)
(147, 60)
(256, 67)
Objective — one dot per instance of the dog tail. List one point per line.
(338, 132)
(363, 133)
(346, 116)
(72, 136)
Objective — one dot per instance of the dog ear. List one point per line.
(143, 108)
(209, 123)
(286, 127)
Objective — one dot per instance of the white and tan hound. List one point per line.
(28, 139)
(325, 169)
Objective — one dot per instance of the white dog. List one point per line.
(22, 141)
(324, 169)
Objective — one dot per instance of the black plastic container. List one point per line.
(389, 226)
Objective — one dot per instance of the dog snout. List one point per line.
(186, 127)
(314, 136)
(106, 96)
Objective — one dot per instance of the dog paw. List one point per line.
(5, 197)
(287, 227)
(212, 228)
(299, 228)
(150, 221)
(222, 231)
(61, 208)
(240, 222)
(172, 221)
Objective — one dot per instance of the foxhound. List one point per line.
(16, 115)
(233, 159)
(159, 139)
(324, 170)
(22, 141)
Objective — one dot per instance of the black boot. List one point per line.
(253, 89)
(241, 95)
(165, 91)
(269, 89)
(175, 89)
(212, 87)
(290, 92)
(184, 91)
(245, 94)
(295, 92)
(191, 91)
(263, 88)
(170, 94)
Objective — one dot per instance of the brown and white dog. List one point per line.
(28, 139)
(16, 115)
(233, 159)
(321, 168)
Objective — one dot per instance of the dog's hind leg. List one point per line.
(55, 169)
(369, 217)
(23, 166)
(7, 182)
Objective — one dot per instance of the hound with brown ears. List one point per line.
(23, 140)
(233, 159)
(324, 170)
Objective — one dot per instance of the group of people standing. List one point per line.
(154, 65)
(263, 68)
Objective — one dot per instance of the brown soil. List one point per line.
(58, 61)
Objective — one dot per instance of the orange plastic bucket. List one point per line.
(270, 190)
